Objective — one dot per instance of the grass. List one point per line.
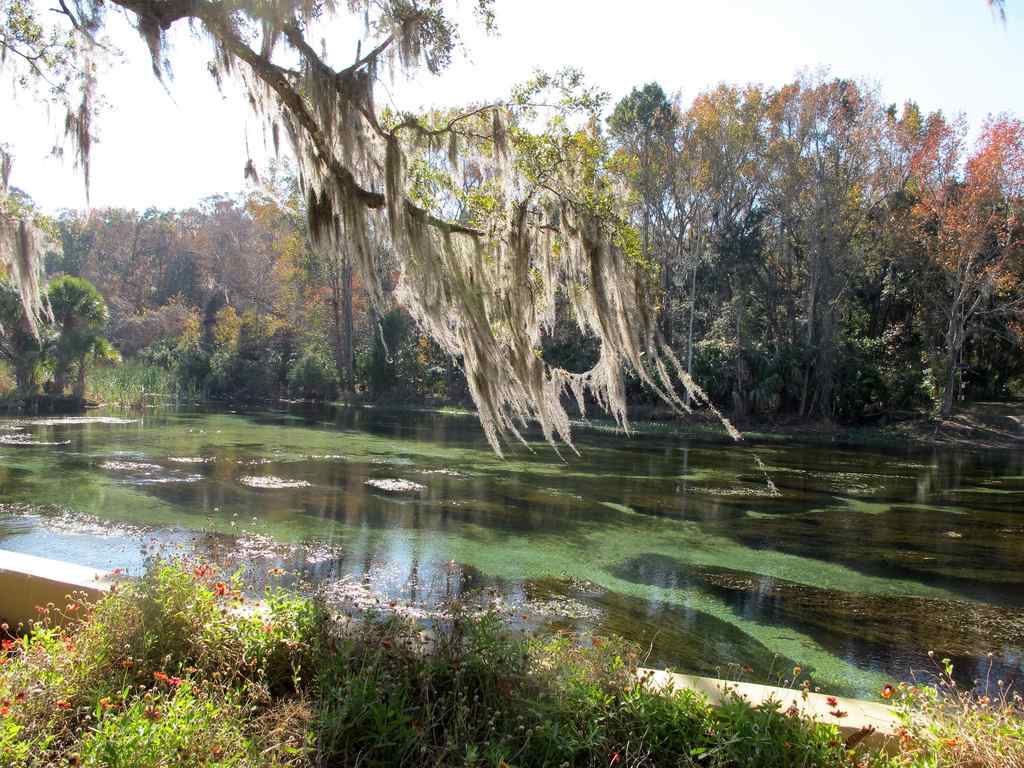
(178, 669)
(134, 384)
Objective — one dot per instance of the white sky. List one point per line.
(170, 151)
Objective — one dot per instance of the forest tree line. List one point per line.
(820, 254)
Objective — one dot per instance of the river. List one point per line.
(739, 560)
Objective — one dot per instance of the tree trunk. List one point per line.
(693, 311)
(80, 382)
(347, 355)
(337, 334)
(954, 346)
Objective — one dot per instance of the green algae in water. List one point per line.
(534, 518)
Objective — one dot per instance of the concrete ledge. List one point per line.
(27, 581)
(877, 722)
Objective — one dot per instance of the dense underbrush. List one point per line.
(179, 669)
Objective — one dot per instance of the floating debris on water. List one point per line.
(59, 520)
(395, 485)
(446, 472)
(72, 420)
(17, 438)
(128, 466)
(271, 481)
(191, 459)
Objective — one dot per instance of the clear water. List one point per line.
(861, 563)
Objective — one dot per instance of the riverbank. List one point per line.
(178, 669)
(977, 426)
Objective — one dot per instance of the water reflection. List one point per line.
(854, 562)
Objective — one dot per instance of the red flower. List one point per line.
(838, 713)
(4, 710)
(161, 677)
(220, 589)
(887, 692)
(202, 571)
(951, 742)
(152, 713)
(7, 644)
(175, 681)
(832, 701)
(117, 572)
(268, 628)
(62, 704)
(127, 663)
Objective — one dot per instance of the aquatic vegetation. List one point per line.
(23, 439)
(395, 485)
(271, 481)
(532, 518)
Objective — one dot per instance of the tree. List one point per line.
(80, 319)
(485, 290)
(972, 225)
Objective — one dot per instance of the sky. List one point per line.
(172, 147)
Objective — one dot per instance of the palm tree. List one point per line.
(79, 317)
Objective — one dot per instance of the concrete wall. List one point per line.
(27, 581)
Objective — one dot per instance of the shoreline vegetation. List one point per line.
(975, 426)
(184, 667)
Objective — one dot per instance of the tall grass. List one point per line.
(136, 384)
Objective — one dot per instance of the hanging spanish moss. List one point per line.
(485, 284)
(23, 247)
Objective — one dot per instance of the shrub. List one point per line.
(313, 376)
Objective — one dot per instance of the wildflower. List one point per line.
(62, 704)
(69, 646)
(832, 701)
(793, 711)
(202, 571)
(216, 751)
(19, 697)
(951, 742)
(4, 710)
(276, 572)
(797, 671)
(175, 681)
(887, 691)
(117, 572)
(268, 628)
(72, 607)
(105, 703)
(40, 610)
(838, 713)
(127, 663)
(161, 677)
(3, 660)
(152, 713)
(7, 644)
(220, 589)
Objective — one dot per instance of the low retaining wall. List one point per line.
(27, 581)
(863, 722)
